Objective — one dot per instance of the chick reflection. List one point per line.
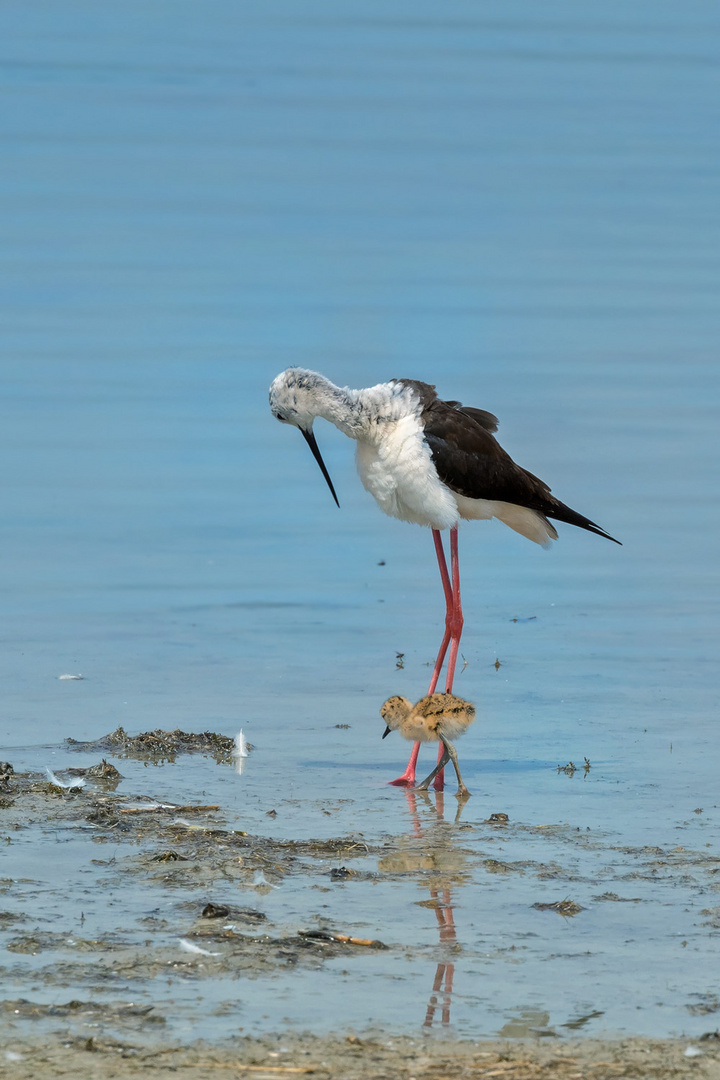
(428, 851)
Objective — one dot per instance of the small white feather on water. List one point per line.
(189, 824)
(261, 882)
(66, 677)
(188, 946)
(240, 752)
(66, 785)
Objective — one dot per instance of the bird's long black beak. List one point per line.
(310, 440)
(386, 732)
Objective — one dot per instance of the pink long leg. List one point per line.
(457, 615)
(451, 637)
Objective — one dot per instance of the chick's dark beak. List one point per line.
(310, 440)
(386, 732)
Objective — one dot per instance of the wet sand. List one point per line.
(290, 1054)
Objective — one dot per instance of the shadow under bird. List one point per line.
(435, 718)
(432, 463)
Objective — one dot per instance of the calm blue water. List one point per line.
(517, 204)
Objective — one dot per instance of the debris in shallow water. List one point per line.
(571, 768)
(215, 911)
(141, 808)
(66, 785)
(495, 866)
(563, 907)
(103, 771)
(342, 939)
(188, 946)
(619, 899)
(580, 1021)
(497, 665)
(147, 808)
(159, 744)
(192, 827)
(497, 819)
(75, 1008)
(708, 1003)
(73, 678)
(225, 911)
(341, 873)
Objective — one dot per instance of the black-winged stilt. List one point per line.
(429, 462)
(435, 718)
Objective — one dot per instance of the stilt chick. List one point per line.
(437, 717)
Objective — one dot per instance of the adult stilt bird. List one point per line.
(429, 462)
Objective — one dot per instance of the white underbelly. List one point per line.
(399, 473)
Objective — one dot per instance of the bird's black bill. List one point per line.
(386, 732)
(310, 440)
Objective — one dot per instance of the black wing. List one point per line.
(470, 460)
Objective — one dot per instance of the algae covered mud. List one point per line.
(143, 927)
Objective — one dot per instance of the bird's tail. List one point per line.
(560, 512)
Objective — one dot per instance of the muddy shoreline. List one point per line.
(352, 1057)
(163, 934)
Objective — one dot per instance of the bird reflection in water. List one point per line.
(444, 974)
(436, 859)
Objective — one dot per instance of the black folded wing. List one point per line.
(472, 463)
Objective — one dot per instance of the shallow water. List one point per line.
(517, 206)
